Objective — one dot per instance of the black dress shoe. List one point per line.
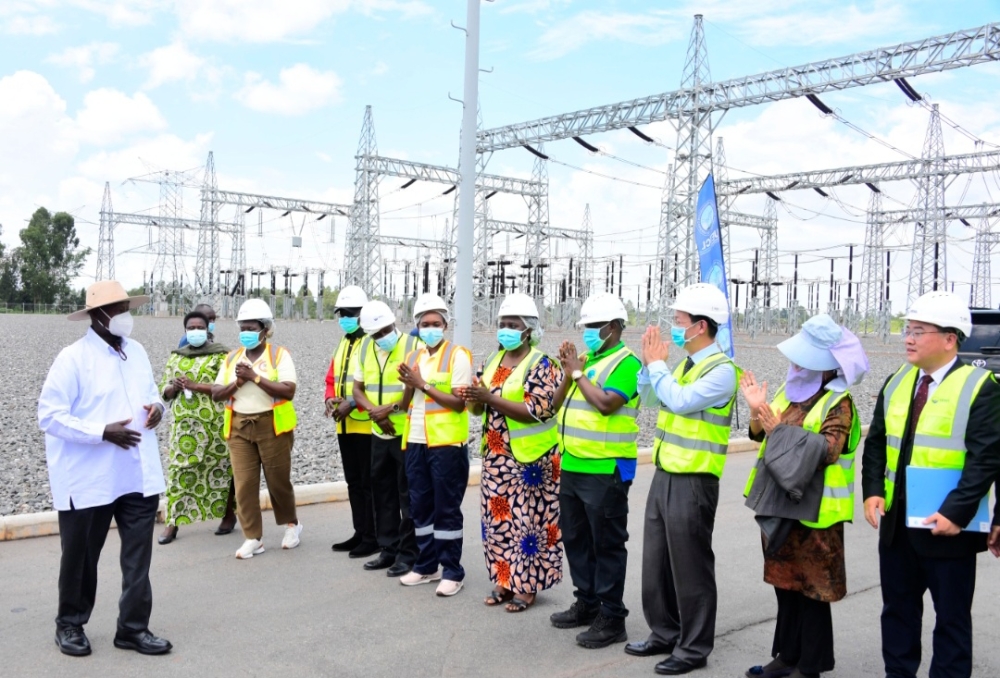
(72, 641)
(383, 561)
(672, 666)
(363, 550)
(398, 570)
(347, 545)
(648, 648)
(142, 642)
(168, 535)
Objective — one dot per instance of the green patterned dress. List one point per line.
(198, 470)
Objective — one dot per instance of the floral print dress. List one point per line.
(520, 502)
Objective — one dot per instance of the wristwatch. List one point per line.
(395, 407)
(576, 374)
(256, 379)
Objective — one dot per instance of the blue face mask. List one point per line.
(592, 338)
(250, 339)
(388, 342)
(510, 339)
(677, 336)
(211, 328)
(197, 337)
(431, 336)
(349, 325)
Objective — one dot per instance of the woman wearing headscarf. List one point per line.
(520, 450)
(198, 470)
(802, 489)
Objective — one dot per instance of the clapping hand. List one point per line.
(411, 377)
(245, 373)
(569, 358)
(653, 346)
(753, 392)
(768, 419)
(477, 393)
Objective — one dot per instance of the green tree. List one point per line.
(49, 257)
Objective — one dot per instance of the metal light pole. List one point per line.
(467, 187)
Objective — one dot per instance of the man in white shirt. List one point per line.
(98, 408)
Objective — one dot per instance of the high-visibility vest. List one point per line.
(528, 442)
(837, 505)
(696, 442)
(442, 426)
(382, 384)
(939, 436)
(285, 418)
(342, 367)
(586, 433)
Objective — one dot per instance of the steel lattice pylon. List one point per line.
(362, 260)
(721, 173)
(106, 238)
(206, 267)
(979, 295)
(537, 246)
(170, 253)
(585, 276)
(928, 263)
(870, 294)
(767, 272)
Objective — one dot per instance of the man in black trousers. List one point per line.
(935, 412)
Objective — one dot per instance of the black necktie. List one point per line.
(688, 364)
(920, 398)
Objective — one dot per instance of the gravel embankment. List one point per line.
(33, 342)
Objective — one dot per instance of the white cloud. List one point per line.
(30, 24)
(165, 150)
(85, 57)
(300, 89)
(123, 12)
(170, 63)
(108, 116)
(592, 26)
(253, 20)
(531, 6)
(407, 8)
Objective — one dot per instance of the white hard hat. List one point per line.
(376, 315)
(351, 296)
(602, 308)
(703, 299)
(518, 304)
(254, 309)
(430, 302)
(943, 309)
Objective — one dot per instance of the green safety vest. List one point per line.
(382, 384)
(285, 418)
(837, 505)
(939, 436)
(442, 426)
(342, 366)
(528, 442)
(696, 442)
(586, 433)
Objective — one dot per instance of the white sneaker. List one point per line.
(414, 579)
(448, 588)
(291, 539)
(250, 548)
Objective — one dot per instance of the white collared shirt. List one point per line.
(937, 376)
(88, 387)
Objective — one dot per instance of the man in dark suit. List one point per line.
(930, 409)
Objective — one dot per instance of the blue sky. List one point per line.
(94, 91)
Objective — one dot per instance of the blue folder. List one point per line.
(926, 490)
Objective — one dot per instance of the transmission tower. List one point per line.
(979, 296)
(106, 238)
(928, 264)
(586, 271)
(721, 174)
(206, 267)
(767, 271)
(362, 261)
(872, 270)
(537, 249)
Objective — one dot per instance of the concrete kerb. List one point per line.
(46, 523)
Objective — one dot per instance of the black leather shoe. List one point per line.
(576, 615)
(648, 648)
(142, 642)
(383, 561)
(398, 570)
(672, 666)
(169, 534)
(363, 550)
(72, 641)
(603, 632)
(347, 545)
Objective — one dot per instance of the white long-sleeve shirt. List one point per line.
(657, 385)
(88, 387)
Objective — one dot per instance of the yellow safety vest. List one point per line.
(285, 418)
(837, 505)
(382, 384)
(939, 437)
(342, 366)
(586, 433)
(442, 426)
(696, 442)
(528, 442)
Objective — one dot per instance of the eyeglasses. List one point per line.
(916, 334)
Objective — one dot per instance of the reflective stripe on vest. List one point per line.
(382, 384)
(357, 420)
(442, 425)
(939, 435)
(837, 504)
(586, 433)
(285, 418)
(696, 442)
(528, 442)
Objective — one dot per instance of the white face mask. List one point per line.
(121, 324)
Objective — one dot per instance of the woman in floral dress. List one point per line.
(520, 494)
(198, 472)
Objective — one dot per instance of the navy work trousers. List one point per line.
(437, 477)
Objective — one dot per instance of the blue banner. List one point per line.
(708, 241)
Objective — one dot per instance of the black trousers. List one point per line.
(803, 636)
(679, 595)
(356, 458)
(82, 533)
(393, 523)
(906, 575)
(594, 522)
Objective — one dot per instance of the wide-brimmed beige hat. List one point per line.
(104, 293)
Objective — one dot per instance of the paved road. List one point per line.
(311, 612)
